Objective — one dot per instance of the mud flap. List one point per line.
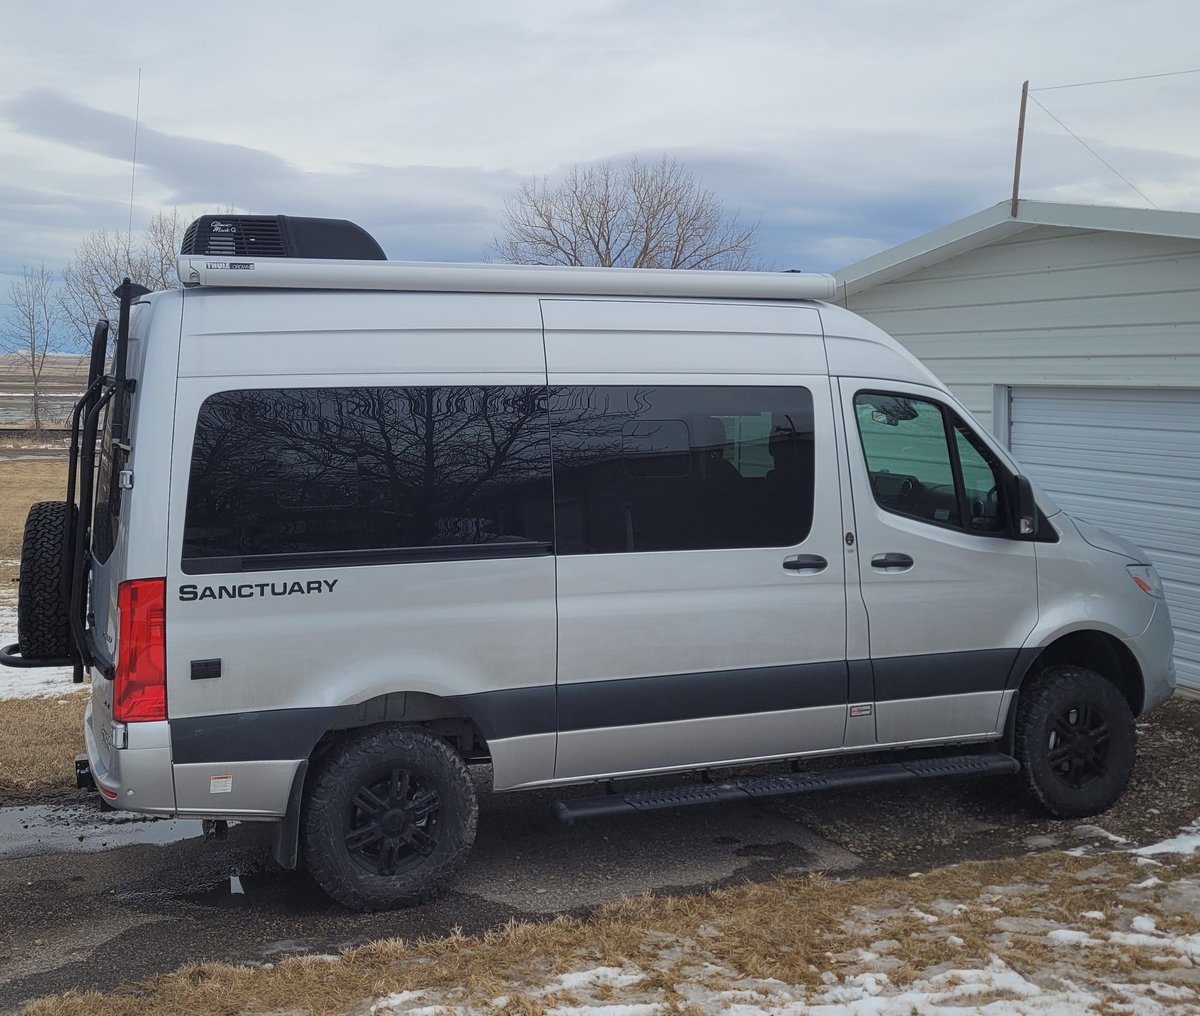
(286, 848)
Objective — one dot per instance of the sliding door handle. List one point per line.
(892, 562)
(810, 563)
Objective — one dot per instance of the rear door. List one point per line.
(950, 598)
(701, 584)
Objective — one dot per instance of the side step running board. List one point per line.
(779, 784)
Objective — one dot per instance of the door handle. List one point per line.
(892, 562)
(810, 563)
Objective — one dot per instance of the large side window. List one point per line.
(652, 468)
(324, 471)
(926, 464)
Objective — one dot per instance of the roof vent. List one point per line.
(280, 236)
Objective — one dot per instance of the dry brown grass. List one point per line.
(790, 929)
(22, 482)
(39, 738)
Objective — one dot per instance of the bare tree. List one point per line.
(106, 257)
(32, 327)
(632, 216)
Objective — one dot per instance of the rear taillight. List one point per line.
(140, 683)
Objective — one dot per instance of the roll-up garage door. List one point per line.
(1127, 459)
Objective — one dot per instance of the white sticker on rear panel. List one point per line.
(220, 784)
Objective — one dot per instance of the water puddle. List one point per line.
(281, 893)
(30, 830)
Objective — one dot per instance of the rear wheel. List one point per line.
(390, 817)
(1076, 741)
(43, 627)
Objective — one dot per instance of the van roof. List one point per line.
(421, 276)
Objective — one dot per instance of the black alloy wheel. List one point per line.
(392, 823)
(388, 817)
(1078, 748)
(1075, 739)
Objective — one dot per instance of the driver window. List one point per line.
(908, 456)
(925, 463)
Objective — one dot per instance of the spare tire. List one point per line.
(43, 625)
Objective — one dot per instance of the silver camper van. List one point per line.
(338, 528)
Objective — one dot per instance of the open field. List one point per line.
(22, 482)
(62, 370)
(63, 378)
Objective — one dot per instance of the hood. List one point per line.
(1102, 539)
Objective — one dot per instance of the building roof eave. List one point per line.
(996, 223)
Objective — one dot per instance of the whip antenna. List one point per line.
(137, 112)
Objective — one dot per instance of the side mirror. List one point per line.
(1025, 522)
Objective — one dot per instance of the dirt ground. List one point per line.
(993, 818)
(122, 914)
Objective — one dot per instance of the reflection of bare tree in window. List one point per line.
(386, 466)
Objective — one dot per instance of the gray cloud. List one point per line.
(844, 194)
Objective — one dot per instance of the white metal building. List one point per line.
(1073, 332)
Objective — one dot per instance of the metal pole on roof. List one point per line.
(1020, 145)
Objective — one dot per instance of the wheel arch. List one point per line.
(1096, 650)
(444, 717)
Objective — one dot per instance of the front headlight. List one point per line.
(1146, 579)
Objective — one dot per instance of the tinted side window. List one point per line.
(924, 463)
(106, 514)
(320, 470)
(983, 482)
(646, 468)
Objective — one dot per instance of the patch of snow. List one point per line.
(1068, 936)
(388, 1002)
(42, 682)
(1093, 915)
(616, 976)
(1144, 924)
(1183, 945)
(1186, 843)
(1094, 832)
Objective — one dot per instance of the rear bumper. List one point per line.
(139, 777)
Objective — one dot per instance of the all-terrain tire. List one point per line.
(389, 817)
(43, 627)
(1076, 741)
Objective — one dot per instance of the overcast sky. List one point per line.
(842, 128)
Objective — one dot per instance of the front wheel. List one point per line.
(390, 817)
(1075, 740)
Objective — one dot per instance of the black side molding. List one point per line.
(779, 784)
